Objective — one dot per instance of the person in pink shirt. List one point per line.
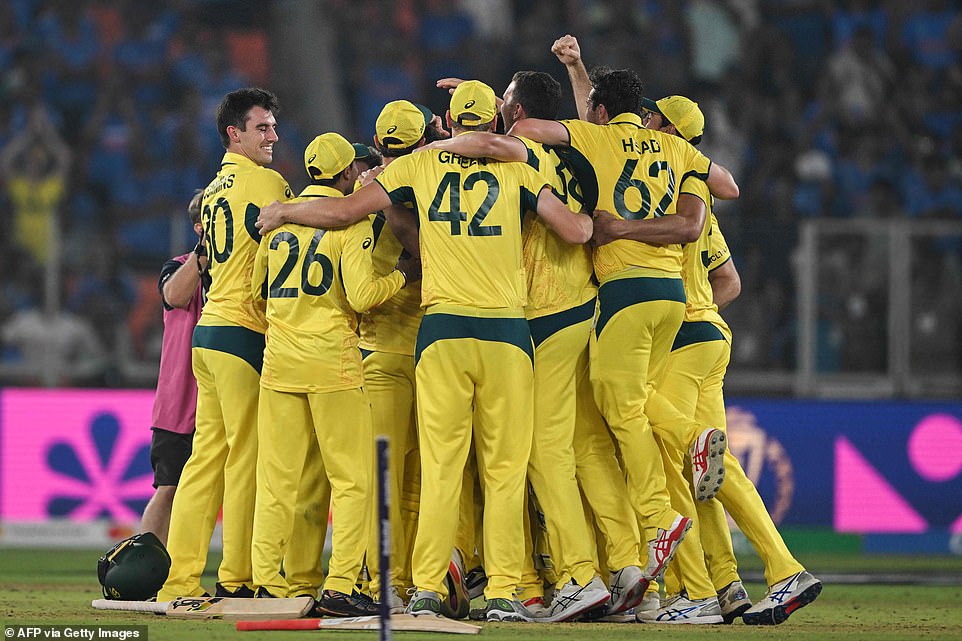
(182, 286)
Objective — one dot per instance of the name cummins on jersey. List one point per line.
(231, 204)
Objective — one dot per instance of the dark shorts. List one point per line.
(169, 452)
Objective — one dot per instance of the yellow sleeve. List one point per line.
(364, 290)
(396, 180)
(268, 187)
(696, 166)
(532, 182)
(697, 187)
(579, 133)
(718, 251)
(259, 274)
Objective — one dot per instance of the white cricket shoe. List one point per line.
(535, 606)
(733, 600)
(662, 548)
(627, 587)
(708, 463)
(783, 598)
(424, 603)
(573, 600)
(681, 609)
(506, 610)
(394, 600)
(649, 605)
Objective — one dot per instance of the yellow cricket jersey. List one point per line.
(469, 213)
(392, 326)
(35, 204)
(559, 274)
(638, 173)
(230, 207)
(314, 280)
(700, 257)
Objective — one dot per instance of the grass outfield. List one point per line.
(56, 587)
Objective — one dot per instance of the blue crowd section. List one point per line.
(854, 465)
(850, 109)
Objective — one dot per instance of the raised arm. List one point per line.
(324, 213)
(571, 227)
(568, 51)
(548, 132)
(483, 144)
(452, 83)
(50, 138)
(683, 227)
(721, 182)
(726, 284)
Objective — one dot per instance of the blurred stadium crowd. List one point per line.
(846, 109)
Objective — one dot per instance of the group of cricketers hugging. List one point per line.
(531, 317)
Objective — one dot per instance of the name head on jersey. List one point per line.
(328, 155)
(401, 124)
(473, 103)
(680, 111)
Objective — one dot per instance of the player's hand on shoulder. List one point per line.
(605, 224)
(271, 217)
(566, 49)
(367, 177)
(449, 83)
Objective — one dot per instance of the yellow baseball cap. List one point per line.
(328, 155)
(473, 103)
(401, 124)
(681, 112)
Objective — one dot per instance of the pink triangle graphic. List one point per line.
(864, 501)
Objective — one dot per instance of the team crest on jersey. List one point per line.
(764, 460)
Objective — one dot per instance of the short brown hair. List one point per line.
(193, 209)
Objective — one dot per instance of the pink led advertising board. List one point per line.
(77, 454)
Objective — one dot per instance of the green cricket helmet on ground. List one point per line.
(135, 569)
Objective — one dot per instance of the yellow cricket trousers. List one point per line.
(602, 482)
(389, 383)
(703, 398)
(474, 380)
(560, 339)
(637, 321)
(226, 362)
(303, 562)
(290, 423)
